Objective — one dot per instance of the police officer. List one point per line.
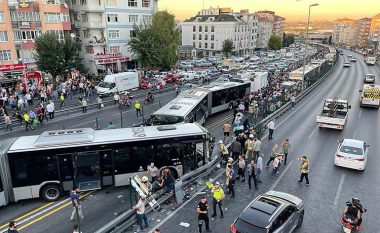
(218, 196)
(202, 210)
(138, 109)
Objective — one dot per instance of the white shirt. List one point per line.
(50, 108)
(257, 145)
(140, 207)
(28, 96)
(276, 161)
(259, 163)
(271, 125)
(116, 97)
(293, 99)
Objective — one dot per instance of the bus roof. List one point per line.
(87, 136)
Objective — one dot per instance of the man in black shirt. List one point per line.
(202, 210)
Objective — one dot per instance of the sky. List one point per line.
(292, 10)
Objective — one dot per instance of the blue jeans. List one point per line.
(258, 175)
(9, 127)
(274, 171)
(140, 219)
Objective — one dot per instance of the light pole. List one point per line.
(306, 42)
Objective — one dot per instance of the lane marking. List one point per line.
(282, 175)
(360, 113)
(312, 133)
(337, 195)
(355, 133)
(29, 213)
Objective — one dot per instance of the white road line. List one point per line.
(282, 175)
(355, 133)
(185, 203)
(339, 191)
(360, 113)
(312, 133)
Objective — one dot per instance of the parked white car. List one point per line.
(352, 154)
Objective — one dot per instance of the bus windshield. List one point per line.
(166, 119)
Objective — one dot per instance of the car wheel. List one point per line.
(51, 193)
(300, 220)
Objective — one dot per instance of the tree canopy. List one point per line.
(228, 47)
(156, 44)
(275, 43)
(287, 39)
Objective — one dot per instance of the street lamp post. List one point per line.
(306, 43)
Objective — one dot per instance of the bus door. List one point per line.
(2, 195)
(87, 174)
(66, 173)
(106, 168)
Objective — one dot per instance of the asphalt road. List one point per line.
(330, 186)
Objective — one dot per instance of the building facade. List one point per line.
(361, 32)
(207, 31)
(105, 27)
(268, 24)
(374, 37)
(23, 21)
(343, 31)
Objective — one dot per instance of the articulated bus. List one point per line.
(49, 164)
(196, 104)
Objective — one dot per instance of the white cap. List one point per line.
(220, 142)
(217, 183)
(251, 136)
(230, 159)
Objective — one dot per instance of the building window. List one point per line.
(76, 17)
(89, 49)
(206, 37)
(3, 36)
(145, 3)
(133, 18)
(84, 18)
(24, 16)
(132, 3)
(205, 45)
(212, 28)
(193, 44)
(111, 2)
(114, 49)
(194, 29)
(200, 28)
(132, 34)
(212, 37)
(200, 45)
(5, 55)
(147, 19)
(113, 34)
(212, 45)
(194, 37)
(57, 17)
(86, 33)
(2, 19)
(59, 33)
(200, 37)
(26, 35)
(206, 28)
(112, 18)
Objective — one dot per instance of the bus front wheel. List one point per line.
(51, 192)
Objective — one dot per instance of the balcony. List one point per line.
(93, 25)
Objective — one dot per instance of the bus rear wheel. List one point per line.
(51, 192)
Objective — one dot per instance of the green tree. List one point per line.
(228, 47)
(275, 43)
(49, 55)
(156, 44)
(287, 39)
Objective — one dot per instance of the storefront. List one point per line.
(106, 63)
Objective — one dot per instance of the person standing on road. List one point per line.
(8, 123)
(251, 174)
(138, 108)
(256, 149)
(276, 164)
(84, 104)
(202, 210)
(116, 98)
(275, 152)
(74, 196)
(259, 168)
(241, 170)
(50, 110)
(226, 130)
(140, 212)
(249, 145)
(304, 169)
(218, 197)
(12, 227)
(223, 152)
(271, 126)
(100, 102)
(235, 148)
(231, 181)
(293, 101)
(286, 149)
(228, 170)
(62, 99)
(27, 121)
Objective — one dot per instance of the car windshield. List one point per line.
(106, 85)
(166, 120)
(351, 150)
(243, 226)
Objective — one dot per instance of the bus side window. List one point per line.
(122, 161)
(142, 154)
(168, 154)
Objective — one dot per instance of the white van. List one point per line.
(118, 83)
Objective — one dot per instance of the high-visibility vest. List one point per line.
(218, 195)
(26, 117)
(62, 98)
(137, 105)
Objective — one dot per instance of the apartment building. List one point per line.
(20, 23)
(268, 24)
(343, 31)
(105, 28)
(207, 31)
(361, 32)
(374, 37)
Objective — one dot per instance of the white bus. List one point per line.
(49, 164)
(196, 104)
(370, 96)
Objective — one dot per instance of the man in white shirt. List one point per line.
(276, 163)
(256, 148)
(259, 168)
(116, 98)
(140, 212)
(50, 110)
(293, 101)
(271, 126)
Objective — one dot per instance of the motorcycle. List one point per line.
(149, 99)
(350, 223)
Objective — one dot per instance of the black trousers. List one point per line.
(270, 136)
(285, 157)
(306, 175)
(138, 111)
(254, 180)
(214, 203)
(231, 188)
(241, 172)
(51, 115)
(202, 219)
(270, 160)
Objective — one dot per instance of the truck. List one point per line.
(370, 96)
(370, 61)
(334, 114)
(118, 83)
